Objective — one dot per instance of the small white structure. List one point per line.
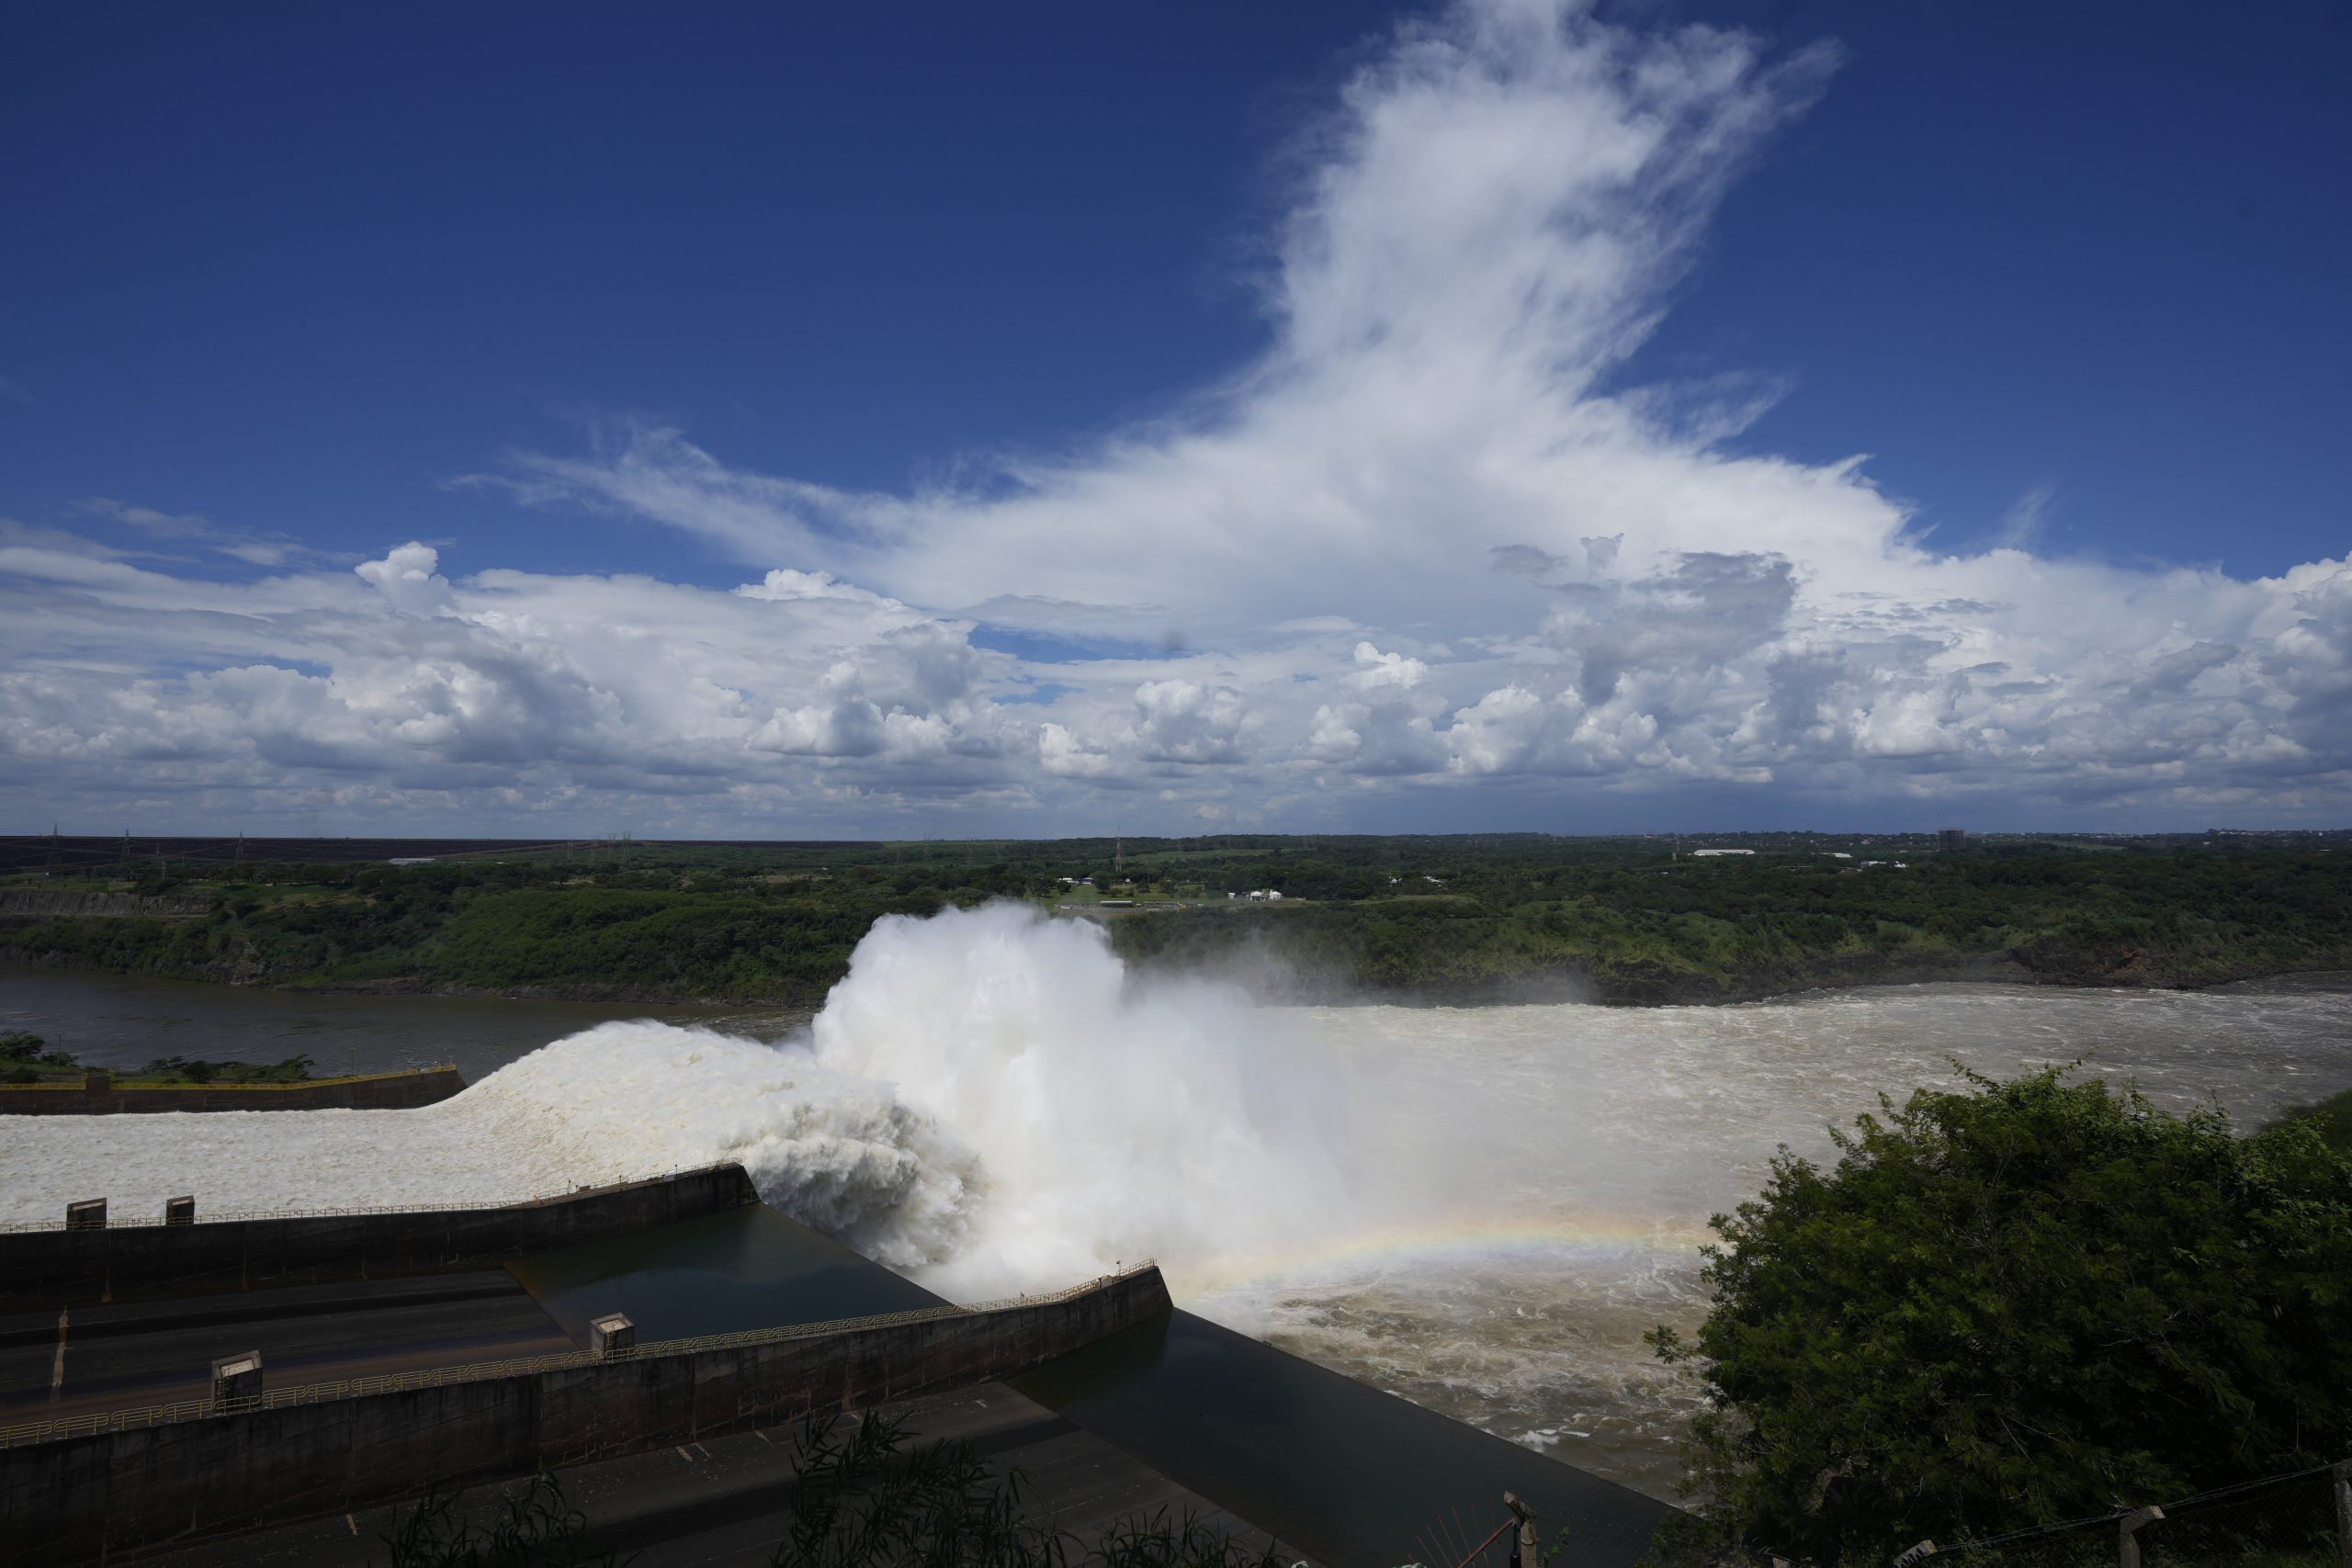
(1702, 854)
(236, 1377)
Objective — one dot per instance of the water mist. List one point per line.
(1111, 1121)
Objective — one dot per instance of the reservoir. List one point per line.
(1523, 1189)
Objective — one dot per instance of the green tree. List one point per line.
(2021, 1303)
(2331, 1118)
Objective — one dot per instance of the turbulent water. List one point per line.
(1481, 1209)
(1579, 1150)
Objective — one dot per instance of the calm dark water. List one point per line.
(113, 1021)
(749, 1268)
(1331, 1466)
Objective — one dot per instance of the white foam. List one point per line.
(984, 1100)
(1114, 1122)
(619, 1102)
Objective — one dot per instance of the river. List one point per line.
(121, 1021)
(1529, 1184)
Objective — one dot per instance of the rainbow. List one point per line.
(1454, 1239)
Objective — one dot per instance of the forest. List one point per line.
(1463, 917)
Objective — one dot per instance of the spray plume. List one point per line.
(987, 1102)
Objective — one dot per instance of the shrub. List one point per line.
(2021, 1303)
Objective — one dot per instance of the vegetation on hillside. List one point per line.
(1466, 918)
(2021, 1303)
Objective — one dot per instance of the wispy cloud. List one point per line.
(2023, 526)
(256, 549)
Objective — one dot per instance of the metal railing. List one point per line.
(2278, 1521)
(229, 1217)
(480, 1371)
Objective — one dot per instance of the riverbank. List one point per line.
(1617, 922)
(1269, 975)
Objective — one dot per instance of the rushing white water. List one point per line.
(1113, 1122)
(1478, 1208)
(985, 1099)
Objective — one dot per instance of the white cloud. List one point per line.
(1180, 721)
(1064, 755)
(1421, 546)
(407, 580)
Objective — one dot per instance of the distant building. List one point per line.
(1702, 854)
(1952, 839)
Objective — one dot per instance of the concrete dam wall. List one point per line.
(83, 1497)
(54, 1268)
(369, 1092)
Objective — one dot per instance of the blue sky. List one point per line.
(1148, 375)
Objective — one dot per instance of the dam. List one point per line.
(406, 1352)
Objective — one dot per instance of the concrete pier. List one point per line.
(99, 1094)
(723, 1503)
(76, 1498)
(54, 1268)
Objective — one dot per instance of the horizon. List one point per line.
(622, 840)
(1503, 416)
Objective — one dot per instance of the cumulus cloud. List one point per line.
(1179, 721)
(1425, 547)
(407, 580)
